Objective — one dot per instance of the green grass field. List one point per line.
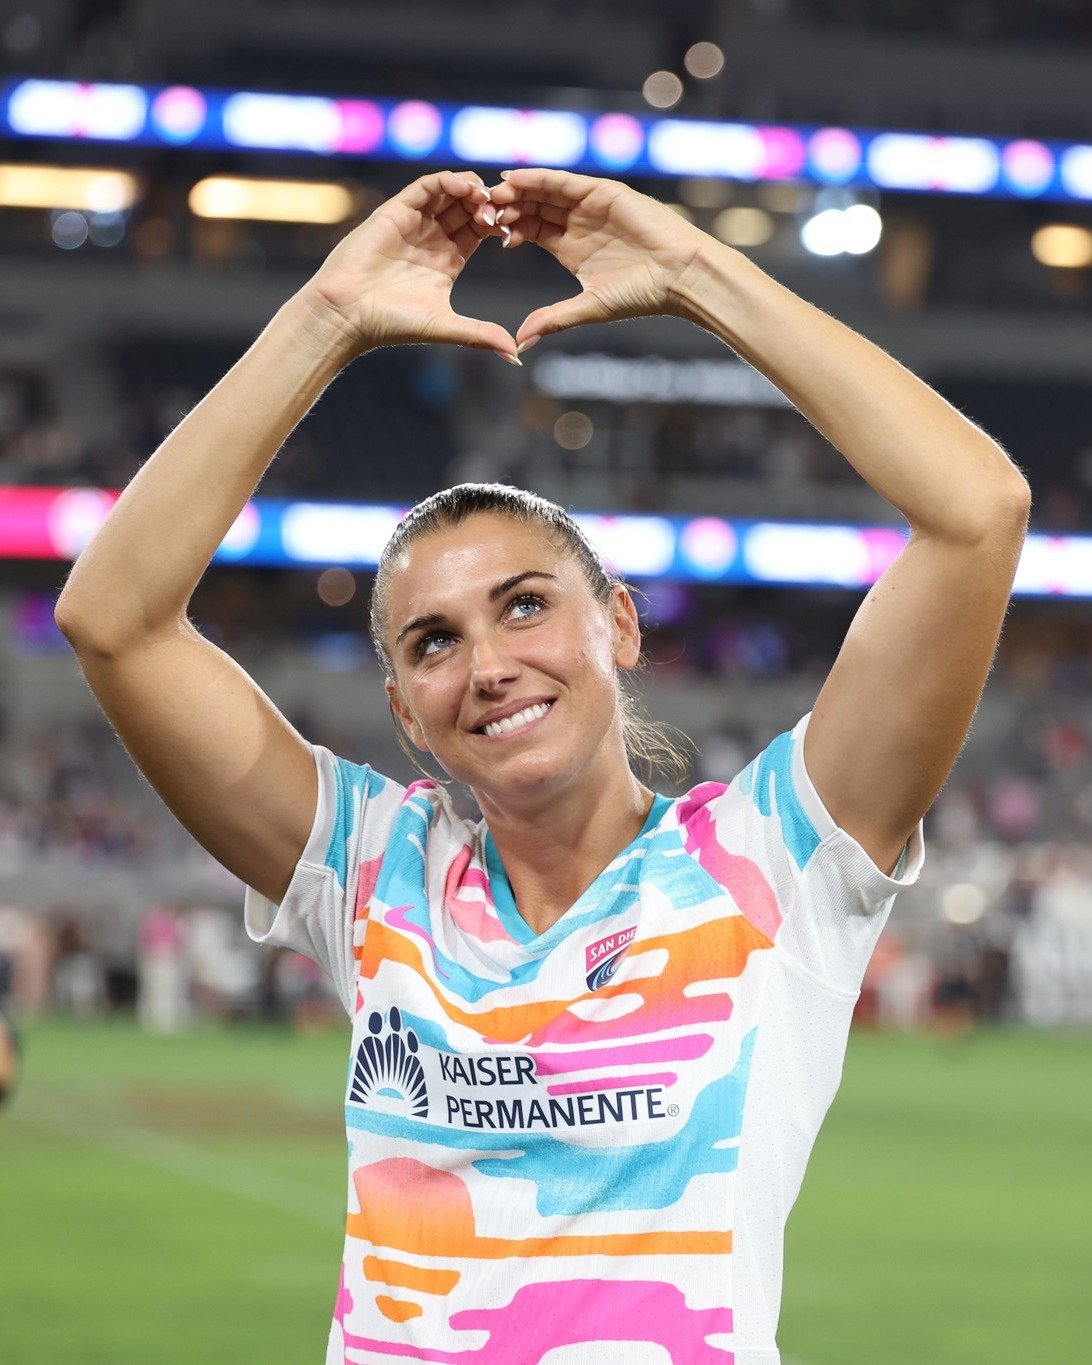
(180, 1200)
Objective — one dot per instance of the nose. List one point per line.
(490, 667)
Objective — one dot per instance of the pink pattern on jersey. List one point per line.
(664, 1078)
(365, 884)
(741, 877)
(588, 1059)
(343, 1304)
(542, 1317)
(398, 917)
(471, 914)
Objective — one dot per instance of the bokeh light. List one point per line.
(663, 90)
(573, 430)
(336, 587)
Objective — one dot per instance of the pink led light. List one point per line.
(73, 517)
(361, 126)
(179, 113)
(617, 140)
(242, 533)
(835, 154)
(709, 544)
(415, 127)
(785, 153)
(883, 545)
(1028, 166)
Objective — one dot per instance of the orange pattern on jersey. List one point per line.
(706, 953)
(408, 1206)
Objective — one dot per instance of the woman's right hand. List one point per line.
(389, 281)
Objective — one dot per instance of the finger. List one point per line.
(558, 317)
(458, 330)
(545, 235)
(456, 217)
(549, 185)
(438, 190)
(468, 238)
(510, 214)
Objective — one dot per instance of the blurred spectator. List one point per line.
(162, 1004)
(79, 984)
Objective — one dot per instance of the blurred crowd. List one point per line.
(464, 422)
(999, 928)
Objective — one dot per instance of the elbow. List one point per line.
(1013, 503)
(92, 632)
(76, 624)
(996, 509)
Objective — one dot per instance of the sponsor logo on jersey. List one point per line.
(603, 958)
(532, 1105)
(387, 1073)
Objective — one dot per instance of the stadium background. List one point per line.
(170, 1169)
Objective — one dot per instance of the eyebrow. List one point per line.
(496, 591)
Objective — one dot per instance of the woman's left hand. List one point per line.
(627, 251)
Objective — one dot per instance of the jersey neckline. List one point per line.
(501, 888)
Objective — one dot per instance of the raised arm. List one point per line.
(225, 761)
(890, 720)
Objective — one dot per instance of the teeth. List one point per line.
(518, 721)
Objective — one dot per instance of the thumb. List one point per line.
(485, 336)
(558, 317)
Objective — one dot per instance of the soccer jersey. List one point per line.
(580, 1147)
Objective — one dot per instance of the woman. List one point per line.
(595, 1035)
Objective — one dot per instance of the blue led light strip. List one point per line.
(604, 143)
(56, 523)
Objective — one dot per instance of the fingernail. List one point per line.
(489, 215)
(500, 218)
(526, 345)
(486, 191)
(505, 174)
(512, 359)
(506, 239)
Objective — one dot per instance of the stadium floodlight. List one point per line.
(744, 226)
(833, 232)
(1064, 246)
(862, 227)
(280, 201)
(104, 190)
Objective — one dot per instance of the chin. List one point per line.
(527, 775)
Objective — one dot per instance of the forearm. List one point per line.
(945, 475)
(138, 573)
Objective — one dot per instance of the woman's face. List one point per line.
(505, 664)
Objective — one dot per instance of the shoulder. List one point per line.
(773, 796)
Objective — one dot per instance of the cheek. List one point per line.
(432, 697)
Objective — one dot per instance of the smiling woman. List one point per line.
(594, 1033)
(526, 525)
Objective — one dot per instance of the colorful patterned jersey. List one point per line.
(580, 1147)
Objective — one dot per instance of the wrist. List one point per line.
(714, 277)
(323, 332)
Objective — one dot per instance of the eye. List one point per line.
(432, 643)
(525, 605)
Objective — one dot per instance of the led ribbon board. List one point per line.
(56, 523)
(610, 143)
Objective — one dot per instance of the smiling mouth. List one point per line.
(499, 729)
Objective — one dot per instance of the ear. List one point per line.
(404, 716)
(627, 628)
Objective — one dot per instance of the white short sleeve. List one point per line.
(336, 873)
(844, 898)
